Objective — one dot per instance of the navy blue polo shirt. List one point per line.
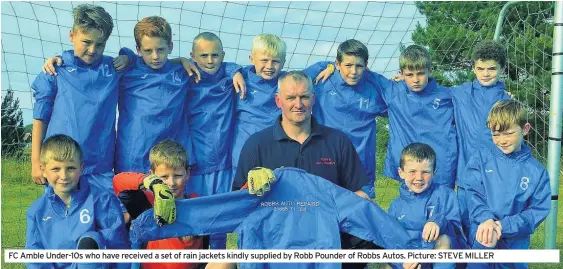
(327, 153)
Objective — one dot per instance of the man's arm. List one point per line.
(44, 91)
(527, 221)
(248, 160)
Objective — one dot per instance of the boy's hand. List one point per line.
(49, 66)
(325, 74)
(239, 84)
(398, 77)
(164, 203)
(36, 174)
(259, 179)
(485, 231)
(191, 69)
(430, 232)
(120, 62)
(363, 195)
(414, 265)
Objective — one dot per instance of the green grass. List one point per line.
(18, 192)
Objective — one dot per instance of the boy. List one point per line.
(81, 101)
(472, 103)
(350, 101)
(169, 166)
(71, 214)
(420, 111)
(151, 99)
(429, 212)
(258, 110)
(508, 192)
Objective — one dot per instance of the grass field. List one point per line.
(18, 193)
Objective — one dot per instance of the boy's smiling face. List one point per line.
(417, 174)
(486, 71)
(267, 66)
(88, 46)
(154, 51)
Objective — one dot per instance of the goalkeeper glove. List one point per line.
(259, 179)
(164, 203)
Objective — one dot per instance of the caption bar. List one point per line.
(275, 256)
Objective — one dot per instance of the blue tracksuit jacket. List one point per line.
(51, 225)
(81, 102)
(352, 109)
(210, 106)
(424, 117)
(513, 189)
(472, 103)
(302, 211)
(151, 109)
(436, 204)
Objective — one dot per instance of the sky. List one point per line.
(311, 30)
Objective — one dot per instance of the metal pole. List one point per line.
(500, 21)
(555, 122)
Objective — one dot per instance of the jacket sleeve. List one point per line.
(33, 240)
(44, 91)
(110, 222)
(131, 55)
(314, 70)
(231, 69)
(127, 181)
(388, 87)
(477, 206)
(194, 217)
(535, 212)
(447, 217)
(366, 220)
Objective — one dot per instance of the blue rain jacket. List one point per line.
(424, 117)
(472, 103)
(81, 102)
(436, 204)
(51, 225)
(302, 211)
(210, 108)
(151, 109)
(513, 189)
(352, 109)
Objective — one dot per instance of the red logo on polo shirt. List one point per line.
(325, 161)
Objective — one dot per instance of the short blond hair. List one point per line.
(153, 26)
(270, 44)
(415, 57)
(60, 148)
(506, 113)
(170, 153)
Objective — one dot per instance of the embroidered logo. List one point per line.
(401, 217)
(144, 76)
(70, 70)
(325, 161)
(436, 103)
(489, 171)
(47, 218)
(524, 183)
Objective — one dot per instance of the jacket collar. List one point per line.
(69, 59)
(77, 196)
(408, 195)
(523, 154)
(476, 85)
(279, 133)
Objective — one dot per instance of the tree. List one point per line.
(453, 29)
(12, 126)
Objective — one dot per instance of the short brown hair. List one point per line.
(418, 152)
(415, 57)
(153, 26)
(352, 47)
(60, 148)
(505, 113)
(88, 17)
(170, 153)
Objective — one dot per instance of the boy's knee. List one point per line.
(443, 242)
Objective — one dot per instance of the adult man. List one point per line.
(297, 140)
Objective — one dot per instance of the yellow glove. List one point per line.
(259, 179)
(164, 203)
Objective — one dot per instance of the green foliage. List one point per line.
(454, 28)
(12, 126)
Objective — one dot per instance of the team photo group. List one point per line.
(145, 152)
